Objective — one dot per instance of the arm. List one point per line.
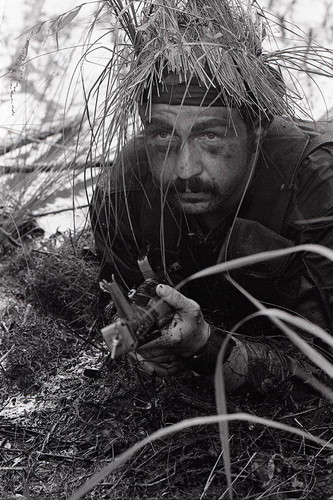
(190, 341)
(115, 213)
(117, 245)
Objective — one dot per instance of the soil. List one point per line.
(67, 410)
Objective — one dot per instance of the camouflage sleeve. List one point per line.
(115, 216)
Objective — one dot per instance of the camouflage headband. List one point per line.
(172, 91)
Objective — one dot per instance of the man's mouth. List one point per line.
(189, 188)
(190, 197)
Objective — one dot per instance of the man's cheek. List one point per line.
(160, 171)
(162, 164)
(157, 155)
(226, 150)
(212, 150)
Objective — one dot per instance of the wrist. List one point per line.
(203, 361)
(204, 339)
(200, 343)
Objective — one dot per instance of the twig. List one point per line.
(37, 167)
(15, 430)
(48, 456)
(44, 167)
(13, 468)
(26, 314)
(52, 212)
(38, 138)
(10, 238)
(81, 337)
(2, 359)
(5, 169)
(4, 326)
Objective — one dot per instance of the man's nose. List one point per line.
(188, 164)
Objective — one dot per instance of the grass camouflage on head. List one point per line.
(201, 52)
(206, 54)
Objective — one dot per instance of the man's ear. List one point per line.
(260, 126)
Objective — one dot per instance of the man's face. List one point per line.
(200, 155)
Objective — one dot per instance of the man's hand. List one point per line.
(185, 335)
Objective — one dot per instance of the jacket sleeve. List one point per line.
(117, 241)
(115, 213)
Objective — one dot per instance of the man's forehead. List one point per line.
(175, 113)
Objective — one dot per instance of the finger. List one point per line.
(176, 300)
(162, 370)
(159, 346)
(152, 366)
(158, 357)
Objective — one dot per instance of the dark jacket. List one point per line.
(292, 183)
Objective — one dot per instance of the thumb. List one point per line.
(172, 297)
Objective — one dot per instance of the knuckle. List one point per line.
(195, 307)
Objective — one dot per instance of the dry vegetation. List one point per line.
(66, 410)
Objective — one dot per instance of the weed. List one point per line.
(67, 411)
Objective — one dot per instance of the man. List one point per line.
(213, 176)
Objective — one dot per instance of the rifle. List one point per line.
(141, 316)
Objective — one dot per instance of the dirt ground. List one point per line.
(66, 409)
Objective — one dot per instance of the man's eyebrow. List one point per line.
(207, 124)
(158, 123)
(197, 127)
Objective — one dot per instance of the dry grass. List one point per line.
(67, 410)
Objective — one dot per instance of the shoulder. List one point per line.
(290, 154)
(289, 142)
(315, 174)
(314, 183)
(296, 138)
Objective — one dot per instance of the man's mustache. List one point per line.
(193, 185)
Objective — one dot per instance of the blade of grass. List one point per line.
(256, 258)
(221, 406)
(192, 422)
(297, 340)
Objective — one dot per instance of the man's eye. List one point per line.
(210, 135)
(162, 135)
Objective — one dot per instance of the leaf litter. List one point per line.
(66, 410)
